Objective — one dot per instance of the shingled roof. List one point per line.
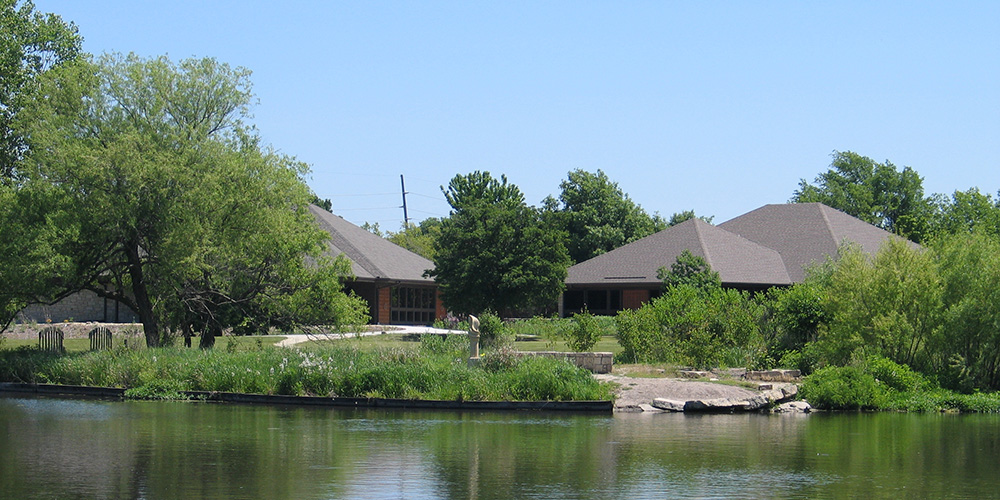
(738, 260)
(372, 257)
(805, 233)
(772, 245)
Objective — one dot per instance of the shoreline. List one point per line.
(116, 393)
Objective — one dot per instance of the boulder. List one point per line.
(668, 404)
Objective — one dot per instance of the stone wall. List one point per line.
(596, 362)
(81, 306)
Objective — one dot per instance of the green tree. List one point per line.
(888, 305)
(876, 193)
(493, 252)
(30, 43)
(689, 269)
(685, 215)
(419, 238)
(967, 211)
(967, 345)
(597, 215)
(144, 184)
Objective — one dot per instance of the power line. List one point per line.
(369, 208)
(355, 194)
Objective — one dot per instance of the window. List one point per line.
(414, 306)
(596, 301)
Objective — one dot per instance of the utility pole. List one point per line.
(406, 218)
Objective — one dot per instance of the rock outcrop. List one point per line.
(729, 405)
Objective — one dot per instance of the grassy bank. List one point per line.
(437, 370)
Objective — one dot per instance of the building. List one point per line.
(387, 276)
(770, 246)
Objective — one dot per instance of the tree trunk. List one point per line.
(144, 306)
(208, 335)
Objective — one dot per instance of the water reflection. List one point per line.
(92, 449)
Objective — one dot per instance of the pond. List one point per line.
(60, 448)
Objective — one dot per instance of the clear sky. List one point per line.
(718, 106)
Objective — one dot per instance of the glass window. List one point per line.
(413, 305)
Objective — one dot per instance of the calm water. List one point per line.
(52, 448)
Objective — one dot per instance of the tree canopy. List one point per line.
(144, 184)
(876, 193)
(689, 269)
(493, 251)
(30, 44)
(597, 215)
(966, 211)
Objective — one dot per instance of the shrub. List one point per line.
(702, 328)
(843, 388)
(492, 332)
(894, 375)
(585, 332)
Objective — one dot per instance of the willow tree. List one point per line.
(31, 43)
(145, 184)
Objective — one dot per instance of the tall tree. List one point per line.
(874, 192)
(152, 182)
(493, 252)
(967, 211)
(30, 43)
(597, 215)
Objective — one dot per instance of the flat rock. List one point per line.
(668, 404)
(794, 407)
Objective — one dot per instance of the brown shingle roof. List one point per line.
(805, 233)
(737, 260)
(372, 257)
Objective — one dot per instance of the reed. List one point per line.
(438, 370)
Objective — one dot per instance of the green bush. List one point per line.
(843, 388)
(492, 332)
(894, 375)
(584, 334)
(697, 327)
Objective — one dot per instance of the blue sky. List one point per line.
(719, 106)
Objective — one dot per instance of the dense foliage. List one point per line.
(143, 183)
(931, 310)
(494, 252)
(31, 43)
(699, 327)
(597, 215)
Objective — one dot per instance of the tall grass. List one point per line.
(438, 370)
